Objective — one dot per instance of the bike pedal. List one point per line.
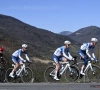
(81, 76)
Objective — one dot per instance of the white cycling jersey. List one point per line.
(86, 47)
(61, 51)
(18, 54)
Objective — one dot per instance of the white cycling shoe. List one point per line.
(56, 78)
(11, 75)
(82, 73)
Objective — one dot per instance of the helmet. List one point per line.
(1, 49)
(67, 42)
(24, 45)
(94, 40)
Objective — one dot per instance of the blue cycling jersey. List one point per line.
(19, 52)
(86, 47)
(61, 51)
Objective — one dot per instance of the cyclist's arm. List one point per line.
(66, 56)
(70, 55)
(93, 55)
(87, 52)
(21, 57)
(27, 57)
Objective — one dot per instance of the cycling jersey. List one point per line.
(61, 51)
(86, 47)
(17, 54)
(83, 52)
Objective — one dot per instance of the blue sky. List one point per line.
(54, 15)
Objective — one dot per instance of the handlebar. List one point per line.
(74, 61)
(93, 61)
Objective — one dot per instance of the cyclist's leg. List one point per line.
(16, 62)
(56, 60)
(84, 58)
(63, 59)
(21, 65)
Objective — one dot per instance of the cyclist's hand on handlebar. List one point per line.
(73, 58)
(92, 59)
(24, 60)
(95, 59)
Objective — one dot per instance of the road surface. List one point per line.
(49, 86)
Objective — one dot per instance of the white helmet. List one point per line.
(94, 40)
(67, 42)
(24, 45)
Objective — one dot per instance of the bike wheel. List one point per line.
(27, 75)
(49, 74)
(93, 76)
(73, 75)
(10, 79)
(2, 75)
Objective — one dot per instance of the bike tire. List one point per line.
(10, 79)
(49, 78)
(93, 76)
(72, 76)
(2, 75)
(27, 77)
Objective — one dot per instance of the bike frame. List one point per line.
(65, 67)
(23, 67)
(89, 65)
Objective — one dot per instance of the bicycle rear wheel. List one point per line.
(2, 75)
(93, 76)
(49, 74)
(27, 75)
(10, 79)
(73, 75)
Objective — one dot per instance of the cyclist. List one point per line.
(60, 55)
(1, 55)
(84, 53)
(17, 59)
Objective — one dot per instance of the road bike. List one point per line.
(92, 71)
(24, 73)
(70, 72)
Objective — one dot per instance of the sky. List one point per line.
(54, 15)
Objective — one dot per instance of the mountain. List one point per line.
(65, 33)
(42, 43)
(85, 34)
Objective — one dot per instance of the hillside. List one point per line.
(85, 34)
(65, 33)
(42, 43)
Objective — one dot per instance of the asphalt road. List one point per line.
(49, 86)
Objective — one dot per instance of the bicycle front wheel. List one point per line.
(49, 74)
(93, 76)
(73, 75)
(27, 75)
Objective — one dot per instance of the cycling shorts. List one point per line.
(57, 58)
(15, 59)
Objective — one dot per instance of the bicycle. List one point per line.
(24, 73)
(92, 71)
(71, 72)
(2, 71)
